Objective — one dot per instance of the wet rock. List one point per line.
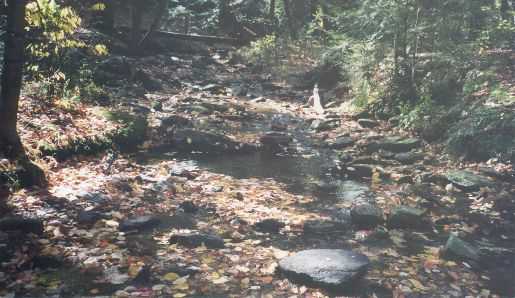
(394, 144)
(269, 225)
(193, 140)
(275, 141)
(366, 215)
(324, 227)
(467, 181)
(408, 157)
(368, 123)
(25, 225)
(360, 170)
(140, 223)
(342, 216)
(351, 191)
(405, 217)
(340, 142)
(89, 217)
(459, 249)
(192, 240)
(323, 125)
(327, 268)
(178, 221)
(188, 207)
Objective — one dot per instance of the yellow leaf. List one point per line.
(181, 283)
(179, 295)
(171, 276)
(135, 268)
(417, 284)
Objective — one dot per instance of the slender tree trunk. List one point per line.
(108, 17)
(137, 18)
(12, 74)
(415, 47)
(162, 10)
(289, 19)
(271, 11)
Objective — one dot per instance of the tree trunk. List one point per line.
(162, 10)
(289, 19)
(271, 12)
(12, 74)
(137, 18)
(108, 17)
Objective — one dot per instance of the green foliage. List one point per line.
(484, 133)
(262, 51)
(55, 54)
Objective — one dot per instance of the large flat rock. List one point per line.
(394, 144)
(332, 269)
(467, 181)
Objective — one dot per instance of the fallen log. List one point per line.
(195, 37)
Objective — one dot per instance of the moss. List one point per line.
(484, 134)
(132, 133)
(127, 138)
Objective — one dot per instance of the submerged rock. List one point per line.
(467, 181)
(351, 191)
(275, 141)
(194, 140)
(193, 240)
(405, 217)
(327, 268)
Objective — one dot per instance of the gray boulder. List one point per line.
(368, 123)
(394, 144)
(366, 215)
(405, 217)
(467, 181)
(331, 269)
(139, 223)
(460, 249)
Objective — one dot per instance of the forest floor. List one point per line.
(240, 159)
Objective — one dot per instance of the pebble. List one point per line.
(122, 294)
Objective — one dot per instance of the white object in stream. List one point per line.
(317, 105)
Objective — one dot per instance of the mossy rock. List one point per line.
(132, 133)
(467, 180)
(485, 133)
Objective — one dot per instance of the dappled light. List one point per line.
(223, 148)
